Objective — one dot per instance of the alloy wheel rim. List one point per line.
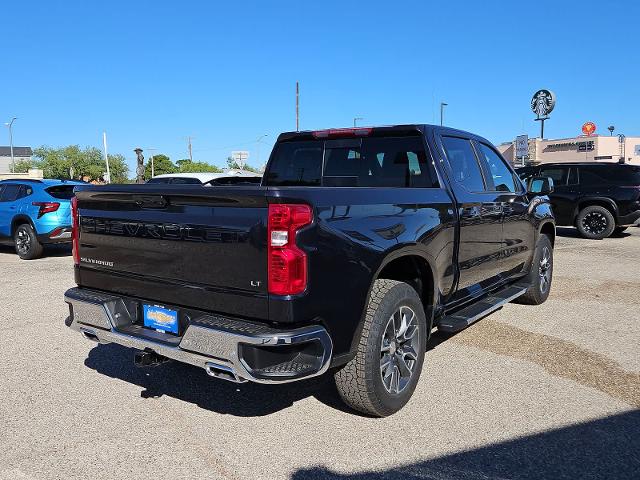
(594, 223)
(23, 242)
(399, 350)
(544, 270)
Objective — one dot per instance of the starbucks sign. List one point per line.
(542, 103)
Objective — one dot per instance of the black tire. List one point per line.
(26, 242)
(619, 230)
(595, 222)
(541, 274)
(382, 350)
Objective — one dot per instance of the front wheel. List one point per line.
(595, 222)
(26, 242)
(541, 274)
(381, 378)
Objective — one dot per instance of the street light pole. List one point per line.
(355, 119)
(258, 146)
(10, 125)
(442, 105)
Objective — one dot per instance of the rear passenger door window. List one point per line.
(25, 191)
(499, 173)
(10, 193)
(558, 174)
(464, 164)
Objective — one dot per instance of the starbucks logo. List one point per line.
(543, 102)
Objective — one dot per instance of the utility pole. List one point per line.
(106, 156)
(190, 151)
(297, 106)
(442, 105)
(10, 125)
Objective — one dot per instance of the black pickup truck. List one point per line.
(357, 244)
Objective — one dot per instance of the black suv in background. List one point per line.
(597, 198)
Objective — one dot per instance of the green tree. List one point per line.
(118, 168)
(76, 163)
(187, 166)
(161, 165)
(23, 166)
(231, 163)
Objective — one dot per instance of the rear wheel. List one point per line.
(595, 222)
(381, 378)
(26, 242)
(541, 274)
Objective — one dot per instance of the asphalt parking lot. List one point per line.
(528, 392)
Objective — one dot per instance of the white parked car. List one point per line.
(228, 177)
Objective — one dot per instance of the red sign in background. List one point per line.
(589, 128)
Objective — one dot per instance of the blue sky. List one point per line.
(151, 73)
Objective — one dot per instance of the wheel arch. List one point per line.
(549, 229)
(413, 268)
(405, 265)
(19, 220)
(599, 201)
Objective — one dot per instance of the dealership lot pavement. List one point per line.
(528, 392)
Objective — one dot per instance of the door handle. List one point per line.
(474, 211)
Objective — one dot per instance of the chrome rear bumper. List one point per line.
(226, 348)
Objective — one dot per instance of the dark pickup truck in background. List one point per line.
(599, 199)
(356, 244)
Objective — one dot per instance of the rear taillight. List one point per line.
(287, 263)
(75, 231)
(342, 132)
(46, 207)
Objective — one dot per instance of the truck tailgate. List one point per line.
(202, 247)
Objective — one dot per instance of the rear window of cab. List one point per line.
(366, 162)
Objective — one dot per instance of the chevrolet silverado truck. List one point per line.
(357, 244)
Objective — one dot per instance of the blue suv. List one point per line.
(34, 213)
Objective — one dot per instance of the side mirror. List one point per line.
(540, 185)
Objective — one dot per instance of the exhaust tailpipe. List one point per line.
(224, 372)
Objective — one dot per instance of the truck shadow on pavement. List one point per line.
(603, 448)
(193, 385)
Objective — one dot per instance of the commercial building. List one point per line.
(596, 148)
(19, 154)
